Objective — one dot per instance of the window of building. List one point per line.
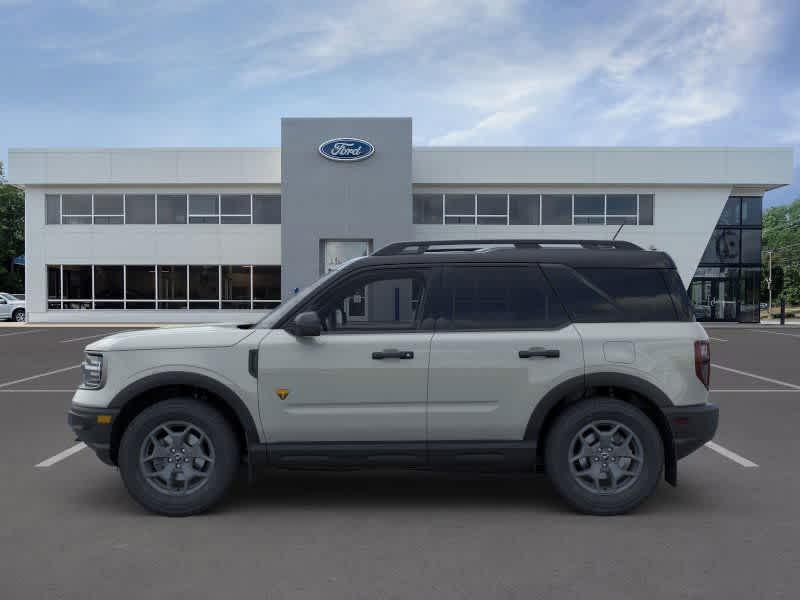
(54, 287)
(140, 209)
(145, 287)
(140, 286)
(109, 286)
(204, 208)
(236, 290)
(731, 213)
(53, 209)
(459, 209)
(621, 209)
(109, 209)
(497, 298)
(556, 209)
(266, 209)
(76, 209)
(492, 209)
(723, 247)
(235, 209)
(172, 282)
(266, 287)
(77, 286)
(646, 209)
(428, 209)
(589, 209)
(203, 286)
(751, 246)
(171, 209)
(751, 211)
(523, 209)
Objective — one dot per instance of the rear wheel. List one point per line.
(604, 456)
(19, 315)
(178, 457)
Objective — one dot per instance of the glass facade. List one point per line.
(727, 281)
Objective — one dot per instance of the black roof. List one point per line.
(575, 253)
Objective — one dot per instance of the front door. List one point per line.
(502, 342)
(713, 299)
(364, 379)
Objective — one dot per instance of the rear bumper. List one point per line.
(83, 421)
(692, 426)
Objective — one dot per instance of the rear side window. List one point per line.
(593, 295)
(497, 298)
(680, 299)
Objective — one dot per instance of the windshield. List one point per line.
(285, 307)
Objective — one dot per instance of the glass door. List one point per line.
(714, 299)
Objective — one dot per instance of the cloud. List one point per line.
(497, 122)
(303, 45)
(684, 64)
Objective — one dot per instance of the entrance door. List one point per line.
(714, 299)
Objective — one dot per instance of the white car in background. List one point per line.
(12, 308)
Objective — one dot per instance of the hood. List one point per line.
(200, 336)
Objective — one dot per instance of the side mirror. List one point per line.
(307, 324)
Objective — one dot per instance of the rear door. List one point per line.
(502, 342)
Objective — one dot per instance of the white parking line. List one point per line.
(741, 460)
(22, 332)
(794, 335)
(717, 339)
(24, 379)
(49, 462)
(88, 337)
(754, 376)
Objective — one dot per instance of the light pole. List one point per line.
(769, 285)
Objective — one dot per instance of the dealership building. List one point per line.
(212, 234)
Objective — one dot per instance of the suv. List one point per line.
(580, 359)
(12, 308)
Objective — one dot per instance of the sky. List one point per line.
(106, 73)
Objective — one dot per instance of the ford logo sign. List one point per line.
(346, 149)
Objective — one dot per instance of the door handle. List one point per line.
(540, 352)
(392, 353)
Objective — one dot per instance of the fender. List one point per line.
(578, 386)
(221, 390)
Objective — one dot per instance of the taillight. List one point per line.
(702, 361)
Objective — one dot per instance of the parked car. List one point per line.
(12, 307)
(582, 362)
(763, 306)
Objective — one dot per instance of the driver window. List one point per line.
(387, 301)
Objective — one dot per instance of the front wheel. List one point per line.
(178, 457)
(604, 456)
(19, 315)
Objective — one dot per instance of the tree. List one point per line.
(781, 235)
(12, 235)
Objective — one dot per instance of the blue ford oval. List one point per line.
(346, 149)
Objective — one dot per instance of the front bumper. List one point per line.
(93, 431)
(692, 426)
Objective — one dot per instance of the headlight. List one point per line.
(92, 369)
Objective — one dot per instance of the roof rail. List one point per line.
(420, 247)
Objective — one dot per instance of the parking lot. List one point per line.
(729, 530)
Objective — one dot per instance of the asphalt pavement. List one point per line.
(727, 531)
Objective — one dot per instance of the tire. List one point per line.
(200, 483)
(18, 315)
(592, 489)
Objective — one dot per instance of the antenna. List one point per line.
(618, 230)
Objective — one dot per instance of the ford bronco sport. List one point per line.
(579, 359)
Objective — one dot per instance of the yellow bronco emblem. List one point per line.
(282, 393)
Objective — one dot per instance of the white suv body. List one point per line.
(12, 308)
(488, 356)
